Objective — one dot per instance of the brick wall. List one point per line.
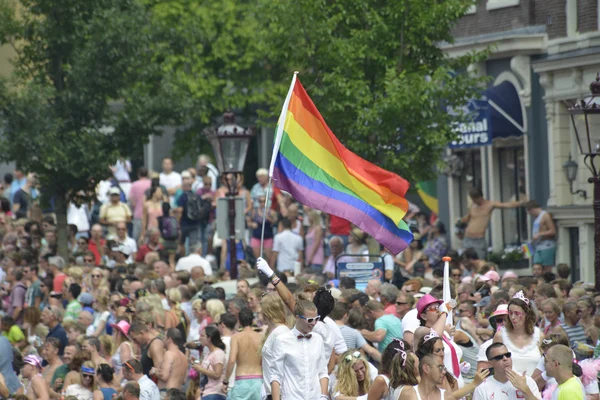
(549, 13)
(587, 15)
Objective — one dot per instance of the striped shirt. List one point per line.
(352, 337)
(576, 335)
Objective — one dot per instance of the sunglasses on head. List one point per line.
(310, 320)
(500, 357)
(352, 356)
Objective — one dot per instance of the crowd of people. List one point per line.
(139, 309)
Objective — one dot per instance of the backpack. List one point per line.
(196, 207)
(169, 227)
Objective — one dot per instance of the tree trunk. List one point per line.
(62, 229)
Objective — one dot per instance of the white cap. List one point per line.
(186, 174)
(114, 190)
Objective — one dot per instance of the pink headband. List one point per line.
(521, 296)
(431, 335)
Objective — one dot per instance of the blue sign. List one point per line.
(476, 132)
(361, 272)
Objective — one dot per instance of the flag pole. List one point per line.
(447, 297)
(277, 143)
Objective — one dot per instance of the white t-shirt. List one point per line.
(482, 349)
(227, 341)
(98, 317)
(78, 216)
(410, 322)
(170, 181)
(340, 344)
(287, 244)
(122, 170)
(492, 389)
(191, 261)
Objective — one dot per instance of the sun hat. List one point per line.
(491, 276)
(509, 275)
(33, 360)
(122, 326)
(425, 301)
(502, 309)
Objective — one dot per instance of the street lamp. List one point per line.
(230, 143)
(570, 171)
(585, 116)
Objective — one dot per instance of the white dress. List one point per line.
(524, 359)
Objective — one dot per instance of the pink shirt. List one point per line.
(391, 309)
(137, 197)
(214, 386)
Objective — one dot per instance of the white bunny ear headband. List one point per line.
(521, 296)
(401, 351)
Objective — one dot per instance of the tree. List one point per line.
(212, 58)
(376, 73)
(86, 88)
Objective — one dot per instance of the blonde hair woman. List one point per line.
(101, 316)
(254, 303)
(85, 389)
(352, 376)
(124, 348)
(215, 308)
(174, 299)
(97, 284)
(274, 313)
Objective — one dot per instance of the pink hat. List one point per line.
(424, 302)
(509, 275)
(502, 309)
(122, 326)
(467, 279)
(491, 276)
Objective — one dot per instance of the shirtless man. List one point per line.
(173, 370)
(478, 219)
(543, 236)
(50, 354)
(245, 356)
(92, 344)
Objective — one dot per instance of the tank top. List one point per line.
(257, 232)
(542, 244)
(153, 214)
(310, 245)
(524, 359)
(442, 391)
(469, 354)
(146, 361)
(390, 393)
(108, 393)
(116, 358)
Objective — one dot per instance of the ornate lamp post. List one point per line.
(230, 144)
(585, 115)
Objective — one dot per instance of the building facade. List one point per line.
(541, 54)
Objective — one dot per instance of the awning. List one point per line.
(497, 114)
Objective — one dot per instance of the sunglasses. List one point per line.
(88, 260)
(88, 376)
(399, 303)
(500, 357)
(352, 356)
(432, 309)
(96, 276)
(515, 313)
(310, 320)
(456, 275)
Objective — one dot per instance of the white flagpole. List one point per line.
(278, 134)
(280, 126)
(446, 289)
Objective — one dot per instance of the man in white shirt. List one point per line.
(505, 384)
(287, 248)
(132, 371)
(300, 367)
(195, 259)
(123, 239)
(169, 178)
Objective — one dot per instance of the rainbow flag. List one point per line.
(526, 249)
(310, 163)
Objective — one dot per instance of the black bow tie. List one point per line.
(307, 336)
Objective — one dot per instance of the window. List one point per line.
(513, 186)
(470, 177)
(496, 4)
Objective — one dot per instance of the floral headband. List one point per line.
(431, 335)
(521, 296)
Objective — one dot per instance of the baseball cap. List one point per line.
(33, 360)
(186, 174)
(509, 275)
(86, 299)
(114, 190)
(491, 276)
(502, 309)
(425, 301)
